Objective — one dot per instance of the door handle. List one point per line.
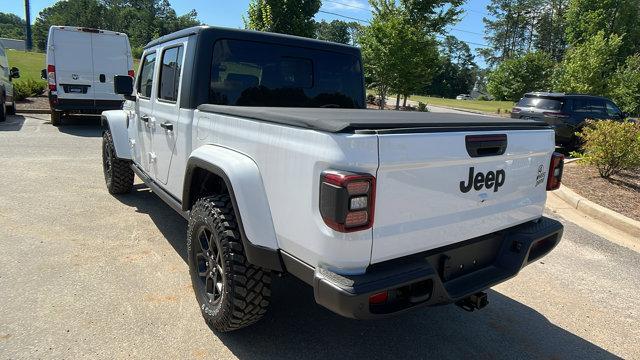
(167, 126)
(145, 118)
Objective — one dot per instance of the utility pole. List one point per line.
(27, 17)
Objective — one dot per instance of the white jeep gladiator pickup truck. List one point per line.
(262, 141)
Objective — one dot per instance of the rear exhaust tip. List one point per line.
(476, 301)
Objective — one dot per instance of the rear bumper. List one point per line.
(84, 105)
(440, 276)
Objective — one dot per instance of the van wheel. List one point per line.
(3, 110)
(56, 118)
(231, 292)
(117, 172)
(11, 110)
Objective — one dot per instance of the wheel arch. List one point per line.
(213, 170)
(116, 121)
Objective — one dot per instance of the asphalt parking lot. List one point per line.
(84, 274)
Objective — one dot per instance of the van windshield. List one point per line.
(540, 103)
(246, 73)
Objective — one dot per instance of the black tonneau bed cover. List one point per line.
(372, 121)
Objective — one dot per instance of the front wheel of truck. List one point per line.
(231, 292)
(118, 174)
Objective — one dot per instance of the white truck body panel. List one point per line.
(420, 206)
(81, 57)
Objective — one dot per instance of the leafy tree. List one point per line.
(457, 71)
(293, 17)
(587, 18)
(510, 29)
(11, 26)
(624, 87)
(514, 77)
(399, 51)
(337, 31)
(550, 29)
(141, 20)
(587, 67)
(83, 13)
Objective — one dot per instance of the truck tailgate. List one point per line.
(424, 199)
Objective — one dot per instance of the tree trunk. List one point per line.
(404, 104)
(398, 102)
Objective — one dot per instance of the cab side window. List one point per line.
(170, 68)
(145, 81)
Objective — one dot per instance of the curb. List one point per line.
(33, 111)
(599, 212)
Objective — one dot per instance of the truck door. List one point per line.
(144, 122)
(166, 110)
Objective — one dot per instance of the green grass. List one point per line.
(478, 105)
(29, 63)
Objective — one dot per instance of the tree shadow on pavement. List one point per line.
(81, 125)
(172, 226)
(297, 328)
(13, 123)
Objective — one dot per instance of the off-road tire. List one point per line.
(246, 289)
(56, 118)
(118, 174)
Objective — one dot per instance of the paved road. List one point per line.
(87, 275)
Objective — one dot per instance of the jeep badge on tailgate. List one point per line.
(489, 180)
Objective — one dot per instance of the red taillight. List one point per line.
(131, 73)
(347, 200)
(51, 77)
(555, 114)
(379, 298)
(555, 171)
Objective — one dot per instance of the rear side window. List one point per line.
(170, 73)
(246, 73)
(588, 106)
(541, 103)
(145, 81)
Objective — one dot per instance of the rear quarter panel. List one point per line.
(290, 161)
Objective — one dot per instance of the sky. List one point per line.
(229, 13)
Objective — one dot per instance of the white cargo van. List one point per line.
(81, 64)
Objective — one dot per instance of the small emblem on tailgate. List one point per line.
(480, 180)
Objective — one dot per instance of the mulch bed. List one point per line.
(621, 193)
(32, 103)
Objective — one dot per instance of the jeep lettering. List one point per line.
(480, 180)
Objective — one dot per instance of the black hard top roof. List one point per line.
(199, 30)
(363, 120)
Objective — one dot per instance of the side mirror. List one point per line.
(14, 73)
(123, 85)
(43, 74)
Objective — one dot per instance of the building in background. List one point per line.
(13, 44)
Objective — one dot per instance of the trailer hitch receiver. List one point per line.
(476, 301)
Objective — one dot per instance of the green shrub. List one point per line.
(611, 146)
(28, 88)
(371, 99)
(136, 52)
(422, 107)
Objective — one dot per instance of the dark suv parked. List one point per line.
(567, 113)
